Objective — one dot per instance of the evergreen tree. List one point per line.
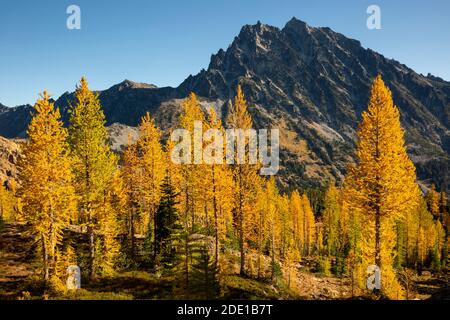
(334, 225)
(167, 224)
(204, 284)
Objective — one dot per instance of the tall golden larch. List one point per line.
(153, 162)
(132, 177)
(94, 162)
(217, 189)
(46, 192)
(384, 183)
(245, 176)
(192, 173)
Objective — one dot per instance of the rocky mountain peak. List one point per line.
(128, 84)
(297, 26)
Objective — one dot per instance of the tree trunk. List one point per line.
(132, 232)
(193, 214)
(186, 244)
(90, 228)
(378, 238)
(186, 261)
(155, 227)
(272, 275)
(216, 221)
(241, 238)
(241, 224)
(305, 237)
(1, 207)
(45, 259)
(91, 249)
(260, 244)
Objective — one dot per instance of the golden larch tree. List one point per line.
(152, 160)
(191, 180)
(334, 223)
(192, 172)
(245, 176)
(46, 192)
(383, 183)
(217, 189)
(308, 225)
(296, 209)
(94, 163)
(132, 177)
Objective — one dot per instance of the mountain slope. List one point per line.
(316, 83)
(9, 152)
(312, 83)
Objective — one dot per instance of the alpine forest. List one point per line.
(136, 218)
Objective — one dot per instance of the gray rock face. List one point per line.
(312, 83)
(120, 136)
(316, 82)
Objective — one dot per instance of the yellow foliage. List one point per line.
(381, 188)
(245, 177)
(191, 185)
(7, 204)
(46, 192)
(152, 161)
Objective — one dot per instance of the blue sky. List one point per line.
(162, 42)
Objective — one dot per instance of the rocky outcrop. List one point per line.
(9, 153)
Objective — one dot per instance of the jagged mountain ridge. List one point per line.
(312, 83)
